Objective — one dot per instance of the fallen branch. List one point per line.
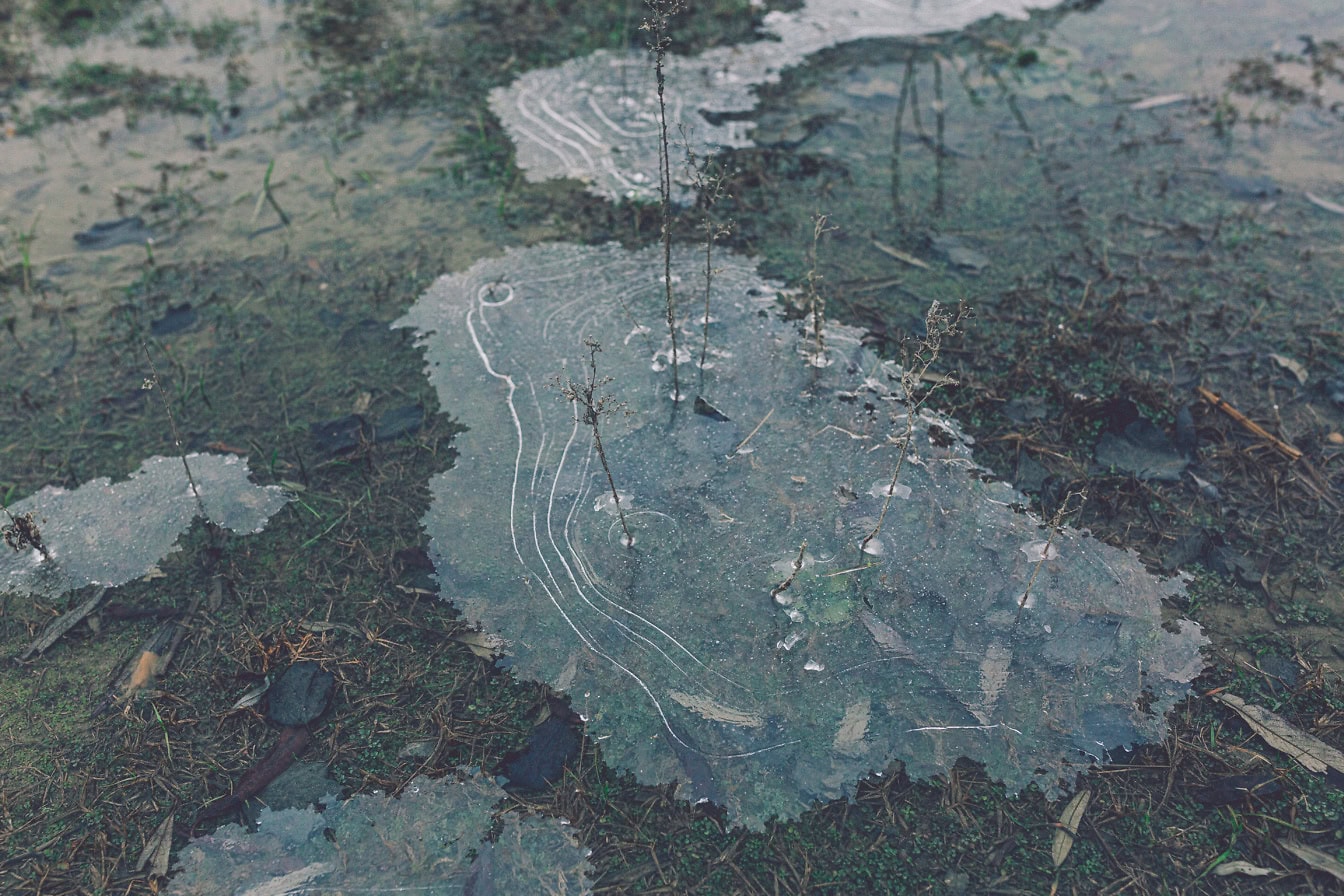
(1250, 425)
(63, 624)
(1311, 477)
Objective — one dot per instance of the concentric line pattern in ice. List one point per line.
(595, 119)
(675, 650)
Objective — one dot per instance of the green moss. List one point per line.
(72, 21)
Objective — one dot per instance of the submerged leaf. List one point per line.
(673, 649)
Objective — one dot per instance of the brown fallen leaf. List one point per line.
(485, 645)
(1292, 365)
(1323, 203)
(904, 257)
(158, 850)
(1246, 868)
(1068, 826)
(1311, 753)
(1157, 102)
(1321, 861)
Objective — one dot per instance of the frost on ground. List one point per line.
(596, 118)
(106, 533)
(422, 842)
(968, 628)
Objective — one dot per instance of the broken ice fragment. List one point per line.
(596, 119)
(419, 842)
(106, 533)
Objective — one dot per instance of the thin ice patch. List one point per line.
(419, 842)
(596, 119)
(106, 533)
(688, 654)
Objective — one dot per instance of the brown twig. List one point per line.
(1249, 425)
(1316, 483)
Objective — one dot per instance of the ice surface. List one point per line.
(419, 842)
(596, 118)
(106, 533)
(685, 664)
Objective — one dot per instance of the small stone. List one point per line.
(300, 695)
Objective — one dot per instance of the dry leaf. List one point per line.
(1155, 102)
(1321, 861)
(1245, 868)
(1326, 204)
(483, 644)
(253, 696)
(1068, 826)
(158, 850)
(853, 727)
(717, 712)
(1311, 753)
(897, 254)
(1292, 366)
(886, 637)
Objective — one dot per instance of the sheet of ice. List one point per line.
(596, 118)
(684, 664)
(419, 842)
(106, 533)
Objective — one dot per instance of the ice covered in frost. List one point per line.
(106, 533)
(596, 118)
(675, 650)
(420, 842)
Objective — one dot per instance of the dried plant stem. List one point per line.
(797, 567)
(816, 302)
(592, 407)
(938, 324)
(1056, 525)
(153, 383)
(906, 81)
(661, 11)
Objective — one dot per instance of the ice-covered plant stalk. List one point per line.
(920, 355)
(660, 14)
(591, 408)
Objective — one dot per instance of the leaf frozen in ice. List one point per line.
(678, 650)
(106, 533)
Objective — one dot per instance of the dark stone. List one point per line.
(398, 422)
(552, 745)
(174, 320)
(299, 695)
(107, 234)
(1142, 449)
(339, 436)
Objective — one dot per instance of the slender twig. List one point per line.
(592, 407)
(938, 324)
(153, 383)
(657, 23)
